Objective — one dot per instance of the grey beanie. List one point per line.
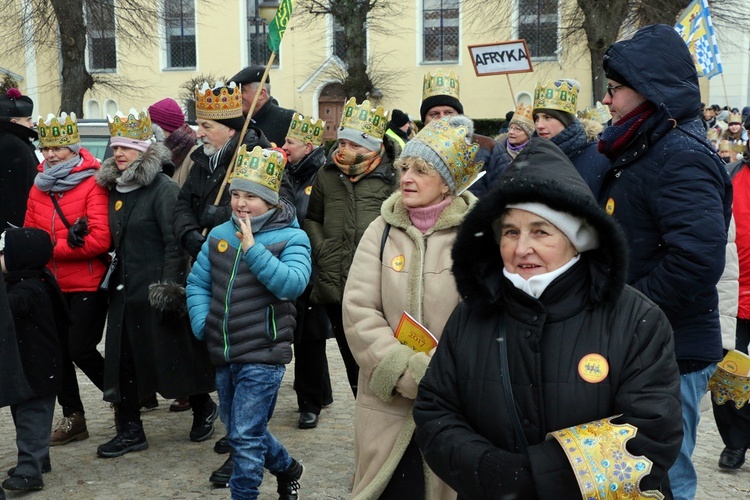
(358, 137)
(266, 194)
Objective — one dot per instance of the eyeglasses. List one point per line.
(611, 88)
(515, 128)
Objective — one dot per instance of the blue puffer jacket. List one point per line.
(243, 303)
(671, 193)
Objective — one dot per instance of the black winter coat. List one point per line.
(168, 359)
(37, 314)
(462, 412)
(671, 194)
(274, 121)
(13, 385)
(17, 171)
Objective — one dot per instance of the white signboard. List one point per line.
(501, 58)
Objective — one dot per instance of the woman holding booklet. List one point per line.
(402, 267)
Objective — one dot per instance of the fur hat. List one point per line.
(167, 114)
(15, 105)
(26, 248)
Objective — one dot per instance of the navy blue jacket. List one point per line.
(671, 193)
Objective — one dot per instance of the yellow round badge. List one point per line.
(398, 263)
(610, 206)
(593, 368)
(222, 246)
(118, 205)
(308, 190)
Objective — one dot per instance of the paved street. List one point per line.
(174, 467)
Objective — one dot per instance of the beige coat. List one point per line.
(414, 275)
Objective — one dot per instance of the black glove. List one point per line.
(192, 242)
(504, 475)
(255, 137)
(213, 215)
(77, 231)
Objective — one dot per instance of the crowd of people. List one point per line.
(536, 315)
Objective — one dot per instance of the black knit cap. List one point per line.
(565, 118)
(15, 105)
(613, 75)
(26, 248)
(398, 118)
(251, 74)
(440, 100)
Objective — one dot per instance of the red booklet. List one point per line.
(412, 333)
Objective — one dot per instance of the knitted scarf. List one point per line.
(571, 139)
(514, 150)
(58, 178)
(357, 165)
(617, 137)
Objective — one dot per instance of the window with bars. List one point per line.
(538, 25)
(179, 19)
(257, 37)
(440, 30)
(339, 46)
(100, 35)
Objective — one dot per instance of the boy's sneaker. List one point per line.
(71, 428)
(132, 438)
(288, 481)
(203, 421)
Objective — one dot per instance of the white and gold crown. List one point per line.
(304, 129)
(440, 84)
(603, 466)
(134, 126)
(731, 380)
(599, 113)
(364, 118)
(561, 95)
(58, 132)
(261, 166)
(219, 102)
(524, 112)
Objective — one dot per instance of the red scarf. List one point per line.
(616, 138)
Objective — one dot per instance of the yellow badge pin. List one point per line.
(222, 246)
(398, 263)
(593, 368)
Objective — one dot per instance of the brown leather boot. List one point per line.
(71, 428)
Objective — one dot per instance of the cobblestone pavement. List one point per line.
(174, 467)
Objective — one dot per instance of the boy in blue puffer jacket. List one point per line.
(240, 297)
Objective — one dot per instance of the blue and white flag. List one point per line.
(696, 28)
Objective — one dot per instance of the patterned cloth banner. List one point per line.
(278, 25)
(696, 28)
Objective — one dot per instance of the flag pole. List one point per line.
(724, 84)
(230, 167)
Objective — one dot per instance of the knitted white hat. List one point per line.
(579, 232)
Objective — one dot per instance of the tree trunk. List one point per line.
(76, 80)
(601, 22)
(353, 17)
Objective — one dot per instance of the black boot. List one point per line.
(288, 481)
(131, 438)
(222, 475)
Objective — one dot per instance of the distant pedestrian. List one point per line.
(179, 137)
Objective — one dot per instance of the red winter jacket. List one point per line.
(76, 269)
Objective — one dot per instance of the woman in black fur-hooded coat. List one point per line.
(167, 358)
(487, 439)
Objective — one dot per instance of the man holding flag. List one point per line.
(672, 196)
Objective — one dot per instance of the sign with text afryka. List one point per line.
(501, 58)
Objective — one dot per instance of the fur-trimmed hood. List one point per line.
(541, 173)
(141, 172)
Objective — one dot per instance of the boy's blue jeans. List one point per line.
(247, 396)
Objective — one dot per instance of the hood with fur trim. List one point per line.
(141, 172)
(540, 173)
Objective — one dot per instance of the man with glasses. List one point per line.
(673, 198)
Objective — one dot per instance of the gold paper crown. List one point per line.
(603, 466)
(58, 132)
(725, 145)
(364, 119)
(524, 112)
(600, 113)
(440, 84)
(261, 166)
(734, 146)
(218, 103)
(134, 126)
(561, 95)
(734, 118)
(304, 129)
(713, 134)
(449, 143)
(731, 381)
